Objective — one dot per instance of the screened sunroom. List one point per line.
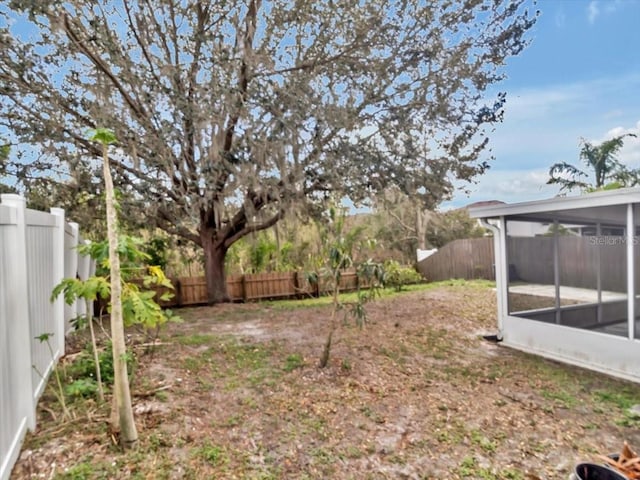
(568, 278)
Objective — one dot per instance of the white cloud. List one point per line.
(630, 152)
(560, 19)
(609, 7)
(593, 11)
(545, 125)
(509, 186)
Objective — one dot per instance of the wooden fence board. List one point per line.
(260, 286)
(467, 258)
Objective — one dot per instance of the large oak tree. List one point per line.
(231, 112)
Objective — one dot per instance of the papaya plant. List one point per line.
(123, 410)
(138, 304)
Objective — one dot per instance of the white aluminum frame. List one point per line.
(614, 355)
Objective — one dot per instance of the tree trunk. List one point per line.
(421, 228)
(122, 395)
(214, 254)
(326, 351)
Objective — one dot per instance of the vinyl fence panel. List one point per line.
(37, 250)
(17, 412)
(43, 275)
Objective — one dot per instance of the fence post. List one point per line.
(296, 284)
(71, 271)
(177, 286)
(84, 268)
(243, 282)
(19, 336)
(58, 275)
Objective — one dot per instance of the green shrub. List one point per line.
(397, 276)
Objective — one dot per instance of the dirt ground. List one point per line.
(234, 392)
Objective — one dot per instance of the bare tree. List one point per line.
(229, 113)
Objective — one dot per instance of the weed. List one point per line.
(233, 421)
(353, 452)
(562, 398)
(511, 474)
(87, 469)
(622, 398)
(482, 441)
(323, 456)
(84, 366)
(628, 420)
(214, 455)
(469, 468)
(83, 387)
(397, 355)
(368, 412)
(292, 362)
(156, 441)
(193, 364)
(79, 471)
(161, 396)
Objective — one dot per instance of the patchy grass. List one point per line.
(387, 293)
(235, 392)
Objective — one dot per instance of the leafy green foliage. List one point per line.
(601, 161)
(262, 253)
(132, 258)
(157, 250)
(139, 281)
(4, 155)
(105, 136)
(211, 454)
(74, 288)
(84, 367)
(452, 225)
(293, 361)
(399, 276)
(83, 387)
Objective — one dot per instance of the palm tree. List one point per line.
(601, 159)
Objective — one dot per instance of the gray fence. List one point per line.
(37, 250)
(467, 258)
(531, 260)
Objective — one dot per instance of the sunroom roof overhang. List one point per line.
(588, 208)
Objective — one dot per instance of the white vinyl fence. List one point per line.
(37, 250)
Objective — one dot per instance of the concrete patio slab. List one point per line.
(585, 295)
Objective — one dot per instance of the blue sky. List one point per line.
(579, 78)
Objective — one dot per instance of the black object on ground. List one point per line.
(492, 338)
(591, 471)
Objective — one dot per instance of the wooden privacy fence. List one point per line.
(579, 261)
(37, 250)
(469, 258)
(259, 286)
(531, 260)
